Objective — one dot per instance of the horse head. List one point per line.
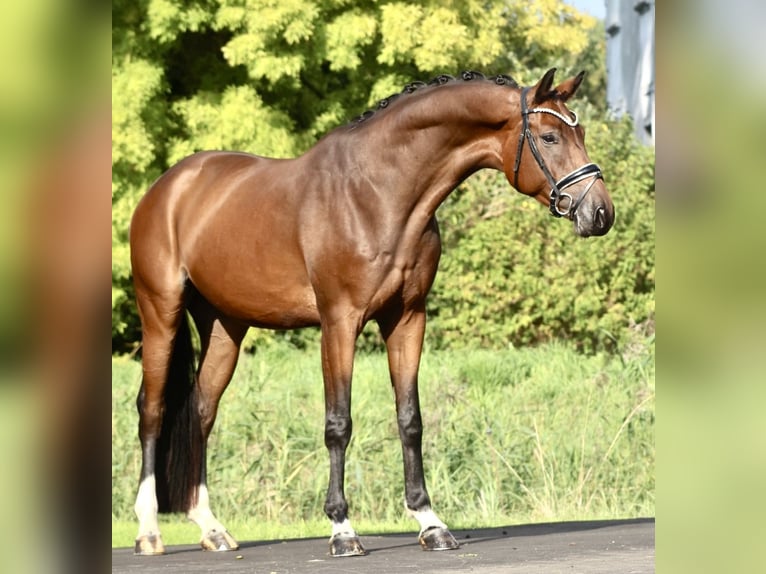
(547, 160)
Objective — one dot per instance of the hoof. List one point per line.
(346, 546)
(438, 539)
(149, 545)
(218, 542)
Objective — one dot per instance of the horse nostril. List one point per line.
(601, 217)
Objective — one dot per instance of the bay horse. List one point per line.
(344, 234)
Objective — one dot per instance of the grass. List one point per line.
(511, 437)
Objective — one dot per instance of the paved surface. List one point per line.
(608, 547)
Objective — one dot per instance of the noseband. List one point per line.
(557, 187)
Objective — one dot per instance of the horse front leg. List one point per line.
(338, 342)
(403, 334)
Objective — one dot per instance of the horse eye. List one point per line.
(549, 138)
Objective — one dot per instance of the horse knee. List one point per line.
(410, 427)
(337, 431)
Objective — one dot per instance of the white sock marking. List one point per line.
(343, 529)
(427, 519)
(201, 514)
(146, 507)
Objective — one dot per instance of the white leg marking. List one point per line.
(343, 529)
(427, 519)
(146, 507)
(202, 516)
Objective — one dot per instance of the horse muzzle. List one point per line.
(589, 207)
(594, 217)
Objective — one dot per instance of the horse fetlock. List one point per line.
(417, 498)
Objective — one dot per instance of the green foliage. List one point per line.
(272, 76)
(347, 35)
(216, 122)
(167, 18)
(133, 87)
(510, 437)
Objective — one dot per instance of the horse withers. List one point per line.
(344, 234)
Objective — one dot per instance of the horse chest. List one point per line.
(410, 275)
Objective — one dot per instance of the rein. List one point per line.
(557, 187)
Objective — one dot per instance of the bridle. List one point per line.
(557, 187)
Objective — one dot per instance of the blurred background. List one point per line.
(711, 433)
(54, 363)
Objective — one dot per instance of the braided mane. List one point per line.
(441, 80)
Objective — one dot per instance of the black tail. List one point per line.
(180, 448)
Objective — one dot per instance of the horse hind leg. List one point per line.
(220, 340)
(165, 354)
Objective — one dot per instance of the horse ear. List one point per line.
(567, 88)
(543, 89)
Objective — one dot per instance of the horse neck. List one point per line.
(433, 141)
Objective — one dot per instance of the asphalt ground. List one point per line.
(612, 546)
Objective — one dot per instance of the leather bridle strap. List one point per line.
(557, 187)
